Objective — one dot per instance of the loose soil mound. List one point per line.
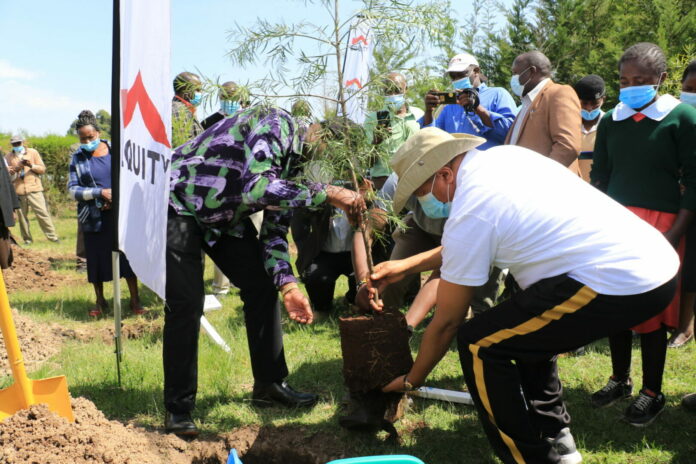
(31, 270)
(36, 343)
(37, 435)
(130, 330)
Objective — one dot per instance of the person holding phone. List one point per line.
(25, 167)
(90, 185)
(491, 117)
(390, 127)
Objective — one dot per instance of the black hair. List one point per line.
(647, 55)
(690, 68)
(86, 118)
(590, 87)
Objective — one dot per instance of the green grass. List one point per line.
(436, 432)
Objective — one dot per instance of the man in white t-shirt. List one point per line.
(587, 267)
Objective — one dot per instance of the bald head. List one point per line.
(186, 84)
(538, 60)
(395, 83)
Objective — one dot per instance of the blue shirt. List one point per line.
(499, 104)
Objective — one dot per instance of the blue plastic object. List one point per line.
(389, 459)
(233, 458)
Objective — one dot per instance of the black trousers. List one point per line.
(500, 349)
(320, 278)
(240, 259)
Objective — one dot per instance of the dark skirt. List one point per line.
(98, 246)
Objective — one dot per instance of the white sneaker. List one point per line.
(564, 445)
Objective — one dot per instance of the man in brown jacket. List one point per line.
(25, 167)
(549, 120)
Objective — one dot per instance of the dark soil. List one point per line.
(375, 350)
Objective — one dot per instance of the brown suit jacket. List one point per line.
(552, 125)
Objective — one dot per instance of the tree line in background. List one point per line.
(580, 37)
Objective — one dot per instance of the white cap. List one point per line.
(461, 62)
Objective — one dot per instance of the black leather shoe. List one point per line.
(180, 424)
(265, 394)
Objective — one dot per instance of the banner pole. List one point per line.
(115, 175)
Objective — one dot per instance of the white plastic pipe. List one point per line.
(210, 330)
(443, 395)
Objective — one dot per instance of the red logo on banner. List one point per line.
(355, 81)
(360, 38)
(137, 96)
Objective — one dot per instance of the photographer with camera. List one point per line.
(471, 106)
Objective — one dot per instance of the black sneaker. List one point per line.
(645, 408)
(612, 392)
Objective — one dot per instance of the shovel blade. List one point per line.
(52, 391)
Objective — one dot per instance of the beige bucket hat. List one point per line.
(422, 155)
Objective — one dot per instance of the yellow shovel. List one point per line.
(25, 392)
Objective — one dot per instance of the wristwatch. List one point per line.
(408, 386)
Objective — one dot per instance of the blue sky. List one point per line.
(56, 57)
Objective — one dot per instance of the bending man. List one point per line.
(587, 268)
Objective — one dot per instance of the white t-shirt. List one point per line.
(516, 209)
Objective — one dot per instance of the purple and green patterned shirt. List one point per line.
(237, 167)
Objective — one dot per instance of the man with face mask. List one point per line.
(187, 96)
(586, 265)
(25, 168)
(549, 120)
(230, 102)
(490, 117)
(390, 128)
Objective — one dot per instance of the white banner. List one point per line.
(356, 69)
(146, 102)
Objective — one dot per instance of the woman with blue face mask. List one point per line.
(90, 185)
(644, 153)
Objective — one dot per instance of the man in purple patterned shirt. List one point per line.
(238, 166)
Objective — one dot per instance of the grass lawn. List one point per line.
(436, 432)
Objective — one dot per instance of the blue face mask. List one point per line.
(434, 208)
(229, 107)
(90, 146)
(590, 115)
(515, 85)
(18, 149)
(689, 98)
(637, 96)
(461, 84)
(197, 98)
(395, 102)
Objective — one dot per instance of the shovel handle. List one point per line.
(14, 354)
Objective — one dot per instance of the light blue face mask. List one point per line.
(637, 96)
(590, 115)
(229, 107)
(515, 85)
(689, 98)
(461, 84)
(90, 146)
(18, 149)
(197, 98)
(395, 102)
(432, 207)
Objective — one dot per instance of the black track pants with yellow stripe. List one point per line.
(499, 348)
